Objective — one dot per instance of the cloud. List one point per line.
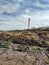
(9, 8)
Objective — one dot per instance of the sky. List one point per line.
(14, 14)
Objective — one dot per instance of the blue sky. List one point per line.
(14, 14)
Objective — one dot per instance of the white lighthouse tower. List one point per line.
(28, 23)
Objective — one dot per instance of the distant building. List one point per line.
(28, 23)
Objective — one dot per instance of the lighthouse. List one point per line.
(28, 23)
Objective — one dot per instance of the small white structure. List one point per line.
(28, 23)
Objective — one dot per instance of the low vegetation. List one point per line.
(25, 47)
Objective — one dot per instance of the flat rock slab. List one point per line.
(34, 57)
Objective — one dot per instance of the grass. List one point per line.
(20, 48)
(37, 48)
(48, 55)
(26, 47)
(47, 62)
(5, 45)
